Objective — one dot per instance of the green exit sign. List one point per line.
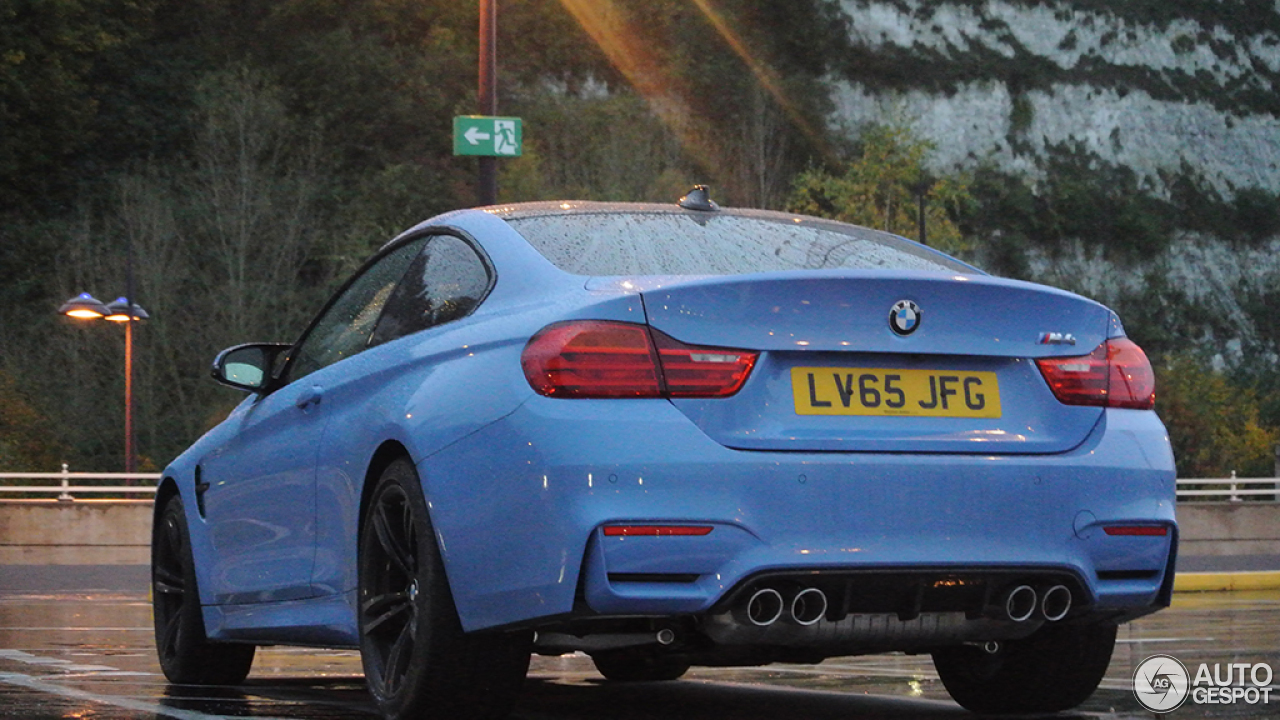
(487, 136)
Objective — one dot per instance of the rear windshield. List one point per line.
(638, 243)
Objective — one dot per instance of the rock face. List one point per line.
(1161, 87)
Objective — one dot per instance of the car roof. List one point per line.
(514, 211)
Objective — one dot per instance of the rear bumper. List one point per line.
(520, 506)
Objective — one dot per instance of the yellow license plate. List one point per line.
(882, 391)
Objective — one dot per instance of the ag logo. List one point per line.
(904, 317)
(1161, 683)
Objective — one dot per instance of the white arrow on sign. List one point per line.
(474, 135)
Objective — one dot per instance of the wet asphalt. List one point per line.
(75, 642)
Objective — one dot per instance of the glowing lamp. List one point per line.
(85, 307)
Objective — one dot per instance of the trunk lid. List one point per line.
(833, 375)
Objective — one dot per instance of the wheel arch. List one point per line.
(388, 452)
(167, 488)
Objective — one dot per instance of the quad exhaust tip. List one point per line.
(1055, 603)
(1020, 603)
(808, 606)
(765, 607)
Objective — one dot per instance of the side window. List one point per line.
(446, 282)
(346, 326)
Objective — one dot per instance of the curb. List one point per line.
(1226, 581)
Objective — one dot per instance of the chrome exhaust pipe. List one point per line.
(808, 606)
(1055, 603)
(765, 607)
(1020, 603)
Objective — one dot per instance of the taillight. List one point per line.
(602, 359)
(691, 371)
(1116, 374)
(592, 359)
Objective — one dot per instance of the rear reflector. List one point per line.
(656, 530)
(1137, 530)
(1116, 374)
(602, 359)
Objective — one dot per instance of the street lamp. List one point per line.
(84, 307)
(121, 310)
(921, 187)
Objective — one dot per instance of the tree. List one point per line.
(1213, 424)
(26, 438)
(875, 189)
(592, 147)
(737, 82)
(50, 55)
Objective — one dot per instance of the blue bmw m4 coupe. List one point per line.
(669, 436)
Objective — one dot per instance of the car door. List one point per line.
(444, 283)
(259, 492)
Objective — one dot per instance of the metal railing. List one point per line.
(62, 489)
(1231, 489)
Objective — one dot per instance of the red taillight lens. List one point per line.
(1116, 374)
(600, 359)
(701, 371)
(592, 359)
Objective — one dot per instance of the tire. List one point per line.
(639, 665)
(418, 662)
(187, 656)
(1055, 669)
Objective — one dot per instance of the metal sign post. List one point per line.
(487, 189)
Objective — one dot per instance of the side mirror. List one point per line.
(248, 367)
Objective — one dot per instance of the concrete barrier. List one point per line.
(81, 532)
(118, 532)
(1227, 528)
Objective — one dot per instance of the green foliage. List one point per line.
(1106, 207)
(607, 147)
(26, 440)
(880, 188)
(740, 83)
(1261, 303)
(1214, 424)
(50, 54)
(1080, 198)
(254, 151)
(1021, 115)
(1257, 214)
(1183, 44)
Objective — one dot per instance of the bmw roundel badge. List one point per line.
(905, 317)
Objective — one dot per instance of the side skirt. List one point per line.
(327, 621)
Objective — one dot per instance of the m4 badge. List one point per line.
(1053, 338)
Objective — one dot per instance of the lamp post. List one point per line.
(121, 310)
(921, 187)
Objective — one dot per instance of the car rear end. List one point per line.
(860, 446)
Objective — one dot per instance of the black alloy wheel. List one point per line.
(418, 662)
(186, 655)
